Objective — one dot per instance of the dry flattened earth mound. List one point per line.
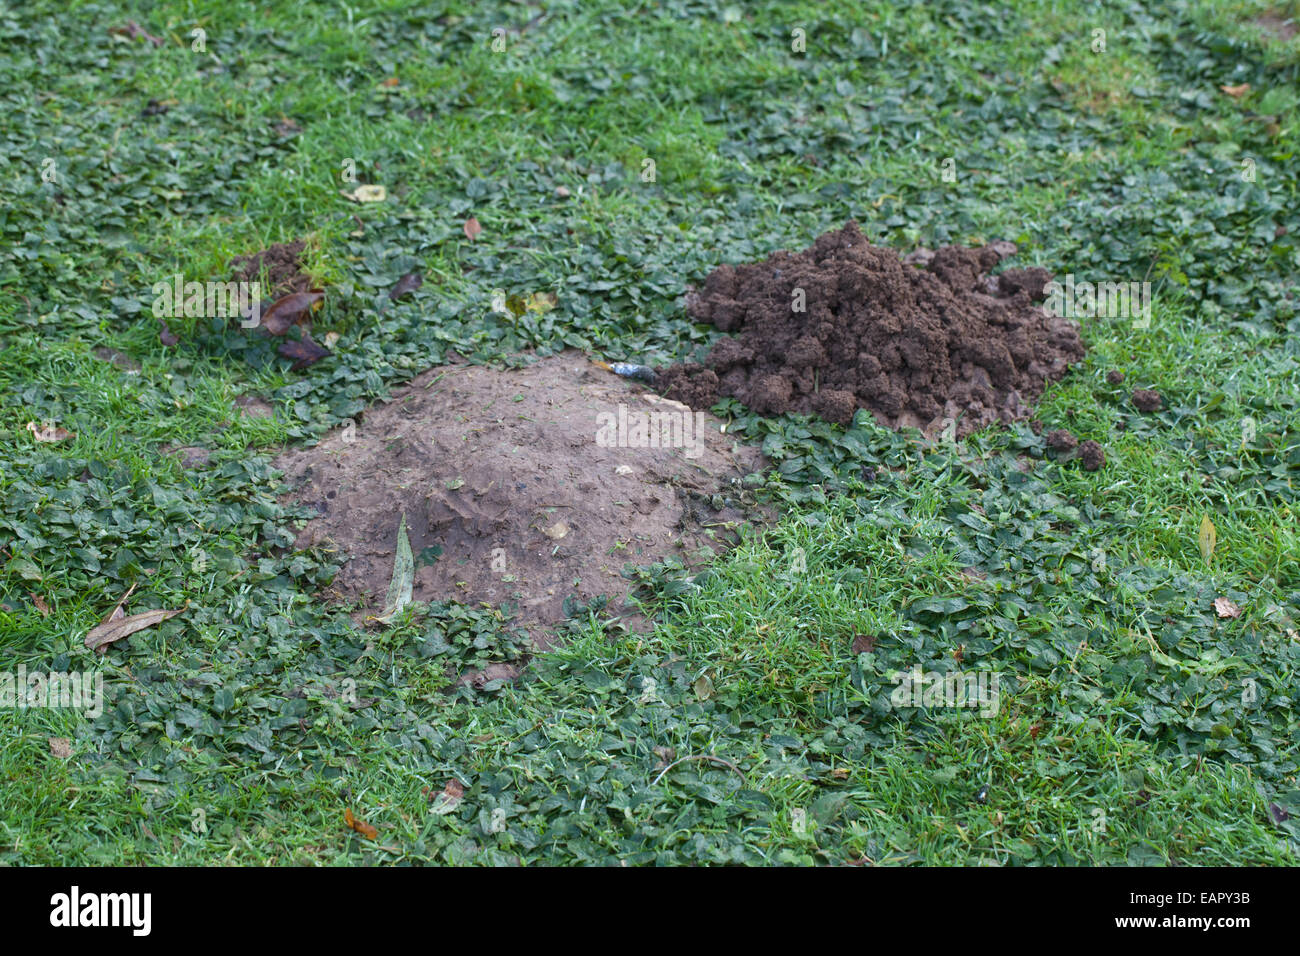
(521, 487)
(845, 325)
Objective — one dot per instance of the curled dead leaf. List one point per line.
(472, 228)
(1238, 91)
(293, 309)
(1224, 608)
(303, 351)
(365, 829)
(1206, 538)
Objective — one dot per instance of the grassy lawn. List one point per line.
(612, 154)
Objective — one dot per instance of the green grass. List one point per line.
(1133, 726)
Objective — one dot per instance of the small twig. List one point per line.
(725, 763)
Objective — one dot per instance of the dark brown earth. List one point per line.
(1145, 400)
(279, 266)
(512, 493)
(914, 342)
(1092, 455)
(1062, 440)
(1278, 24)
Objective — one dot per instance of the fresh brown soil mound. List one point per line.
(845, 325)
(279, 265)
(521, 487)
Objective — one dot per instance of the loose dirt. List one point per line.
(521, 487)
(279, 266)
(845, 325)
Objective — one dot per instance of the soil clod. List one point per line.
(845, 325)
(1092, 455)
(1145, 400)
(1062, 440)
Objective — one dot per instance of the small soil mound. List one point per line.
(1145, 400)
(1062, 440)
(845, 325)
(521, 487)
(279, 266)
(1092, 455)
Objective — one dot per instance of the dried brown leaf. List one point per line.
(365, 829)
(293, 309)
(1225, 608)
(303, 351)
(118, 625)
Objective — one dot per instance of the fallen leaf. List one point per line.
(406, 285)
(303, 351)
(1207, 537)
(703, 687)
(557, 531)
(117, 625)
(1236, 92)
(294, 308)
(1225, 608)
(864, 643)
(40, 603)
(448, 798)
(61, 747)
(330, 339)
(390, 82)
(365, 829)
(402, 584)
(472, 228)
(49, 433)
(367, 193)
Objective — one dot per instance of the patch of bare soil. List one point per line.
(1277, 23)
(521, 487)
(845, 325)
